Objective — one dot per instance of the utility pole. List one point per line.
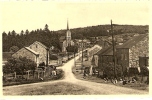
(114, 55)
(82, 52)
(47, 57)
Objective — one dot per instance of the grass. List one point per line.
(138, 85)
(60, 88)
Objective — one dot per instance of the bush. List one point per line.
(144, 71)
(19, 65)
(53, 57)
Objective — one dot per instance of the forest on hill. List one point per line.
(104, 30)
(13, 40)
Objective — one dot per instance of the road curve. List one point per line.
(98, 88)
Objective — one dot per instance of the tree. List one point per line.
(19, 65)
(22, 32)
(13, 33)
(14, 49)
(4, 34)
(46, 29)
(144, 71)
(73, 49)
(27, 32)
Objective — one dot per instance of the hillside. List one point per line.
(50, 38)
(101, 30)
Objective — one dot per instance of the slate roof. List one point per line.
(133, 41)
(106, 51)
(127, 44)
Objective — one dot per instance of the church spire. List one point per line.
(67, 25)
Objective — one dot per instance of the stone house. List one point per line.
(103, 57)
(92, 51)
(42, 50)
(84, 43)
(36, 52)
(133, 53)
(28, 53)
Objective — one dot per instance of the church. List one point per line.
(66, 41)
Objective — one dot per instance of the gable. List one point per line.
(26, 49)
(37, 44)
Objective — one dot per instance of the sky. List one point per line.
(34, 15)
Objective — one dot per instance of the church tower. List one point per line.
(68, 34)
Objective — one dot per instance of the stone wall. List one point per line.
(140, 49)
(25, 53)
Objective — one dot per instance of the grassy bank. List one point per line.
(11, 82)
(59, 88)
(137, 85)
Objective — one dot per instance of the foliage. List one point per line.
(101, 30)
(53, 57)
(14, 49)
(26, 38)
(109, 70)
(144, 71)
(120, 71)
(19, 65)
(72, 49)
(50, 38)
(60, 75)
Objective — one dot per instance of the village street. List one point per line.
(94, 88)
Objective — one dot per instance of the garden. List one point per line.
(24, 71)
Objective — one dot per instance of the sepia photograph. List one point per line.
(74, 48)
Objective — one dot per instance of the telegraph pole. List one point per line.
(114, 55)
(82, 52)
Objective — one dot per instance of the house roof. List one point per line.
(27, 48)
(105, 51)
(127, 44)
(7, 55)
(133, 41)
(39, 44)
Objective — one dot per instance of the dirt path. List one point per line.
(70, 78)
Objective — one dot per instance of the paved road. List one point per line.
(98, 88)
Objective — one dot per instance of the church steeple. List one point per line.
(67, 25)
(68, 33)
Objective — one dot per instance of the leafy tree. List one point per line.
(14, 49)
(73, 49)
(19, 65)
(144, 71)
(53, 57)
